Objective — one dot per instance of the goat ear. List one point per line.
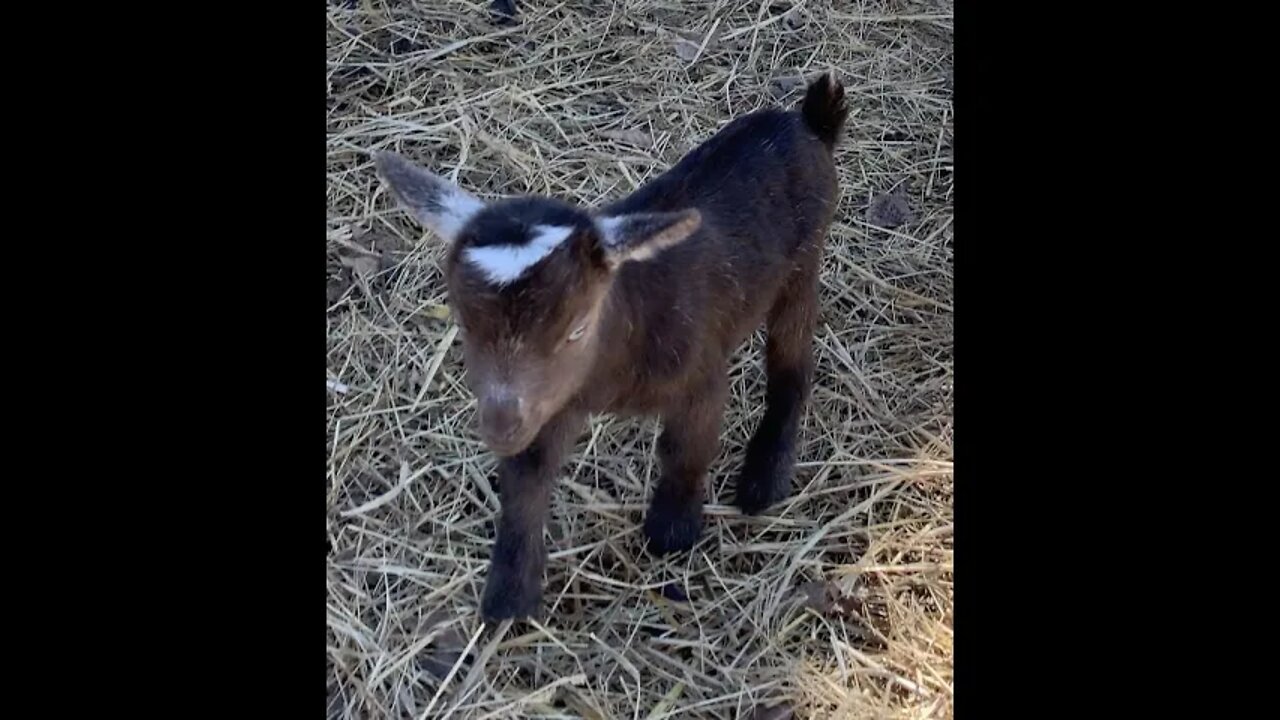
(640, 236)
(435, 202)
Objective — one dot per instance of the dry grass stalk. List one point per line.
(586, 100)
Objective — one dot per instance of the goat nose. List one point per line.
(501, 416)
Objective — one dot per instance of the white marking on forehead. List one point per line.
(456, 208)
(609, 228)
(503, 263)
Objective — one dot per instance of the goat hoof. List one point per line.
(672, 526)
(507, 596)
(762, 483)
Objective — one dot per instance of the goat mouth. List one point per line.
(507, 447)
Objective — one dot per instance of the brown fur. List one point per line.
(662, 295)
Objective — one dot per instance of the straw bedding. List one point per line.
(837, 602)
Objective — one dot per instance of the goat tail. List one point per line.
(824, 110)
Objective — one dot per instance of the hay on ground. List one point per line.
(838, 602)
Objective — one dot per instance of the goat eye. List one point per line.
(578, 332)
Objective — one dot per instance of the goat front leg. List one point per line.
(525, 481)
(689, 442)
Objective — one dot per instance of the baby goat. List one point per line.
(635, 309)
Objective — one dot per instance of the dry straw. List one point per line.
(838, 603)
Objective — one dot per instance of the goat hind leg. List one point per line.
(770, 458)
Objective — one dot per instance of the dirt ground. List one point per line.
(837, 602)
